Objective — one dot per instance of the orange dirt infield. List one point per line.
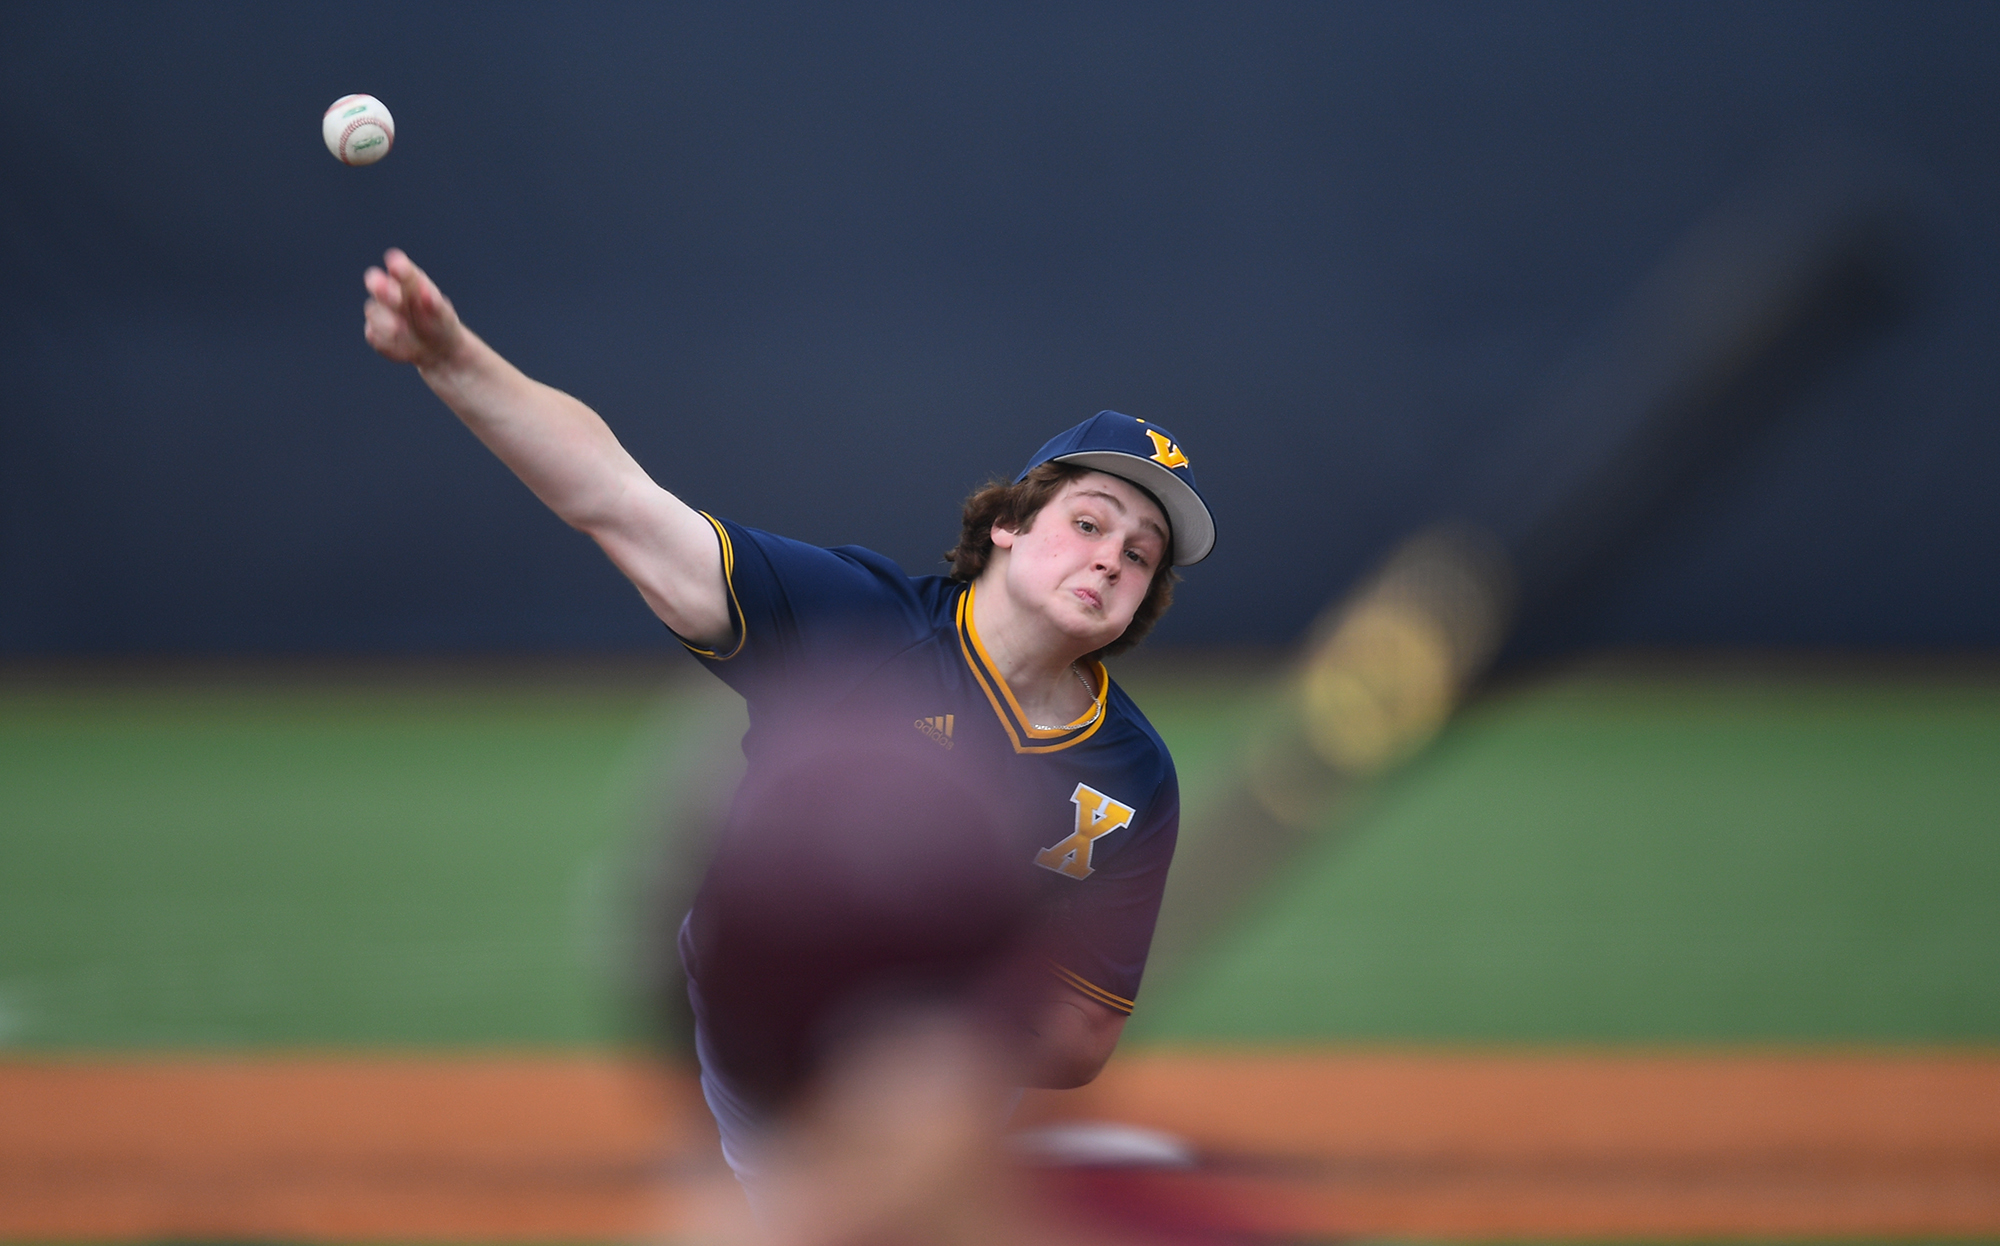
(1328, 1144)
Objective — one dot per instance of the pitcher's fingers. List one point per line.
(383, 287)
(421, 297)
(436, 307)
(405, 270)
(417, 296)
(380, 325)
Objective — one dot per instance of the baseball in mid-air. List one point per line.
(358, 129)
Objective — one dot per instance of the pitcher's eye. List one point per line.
(1087, 526)
(1136, 557)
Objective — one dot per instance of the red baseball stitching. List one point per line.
(356, 124)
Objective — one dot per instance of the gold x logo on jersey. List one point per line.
(1165, 452)
(1097, 815)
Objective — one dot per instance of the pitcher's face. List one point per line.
(1088, 557)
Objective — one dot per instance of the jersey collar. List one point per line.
(1026, 737)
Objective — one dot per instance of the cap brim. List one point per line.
(1194, 527)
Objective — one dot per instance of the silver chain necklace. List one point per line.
(1096, 706)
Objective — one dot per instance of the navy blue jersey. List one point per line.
(821, 633)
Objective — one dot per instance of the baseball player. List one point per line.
(994, 669)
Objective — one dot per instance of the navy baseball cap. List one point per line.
(1148, 456)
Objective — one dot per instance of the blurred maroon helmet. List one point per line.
(859, 874)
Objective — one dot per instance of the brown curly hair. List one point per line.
(1014, 507)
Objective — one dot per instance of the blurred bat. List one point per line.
(1753, 305)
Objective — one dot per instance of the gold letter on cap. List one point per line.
(1165, 452)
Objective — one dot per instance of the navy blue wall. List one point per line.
(827, 268)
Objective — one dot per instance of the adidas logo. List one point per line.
(938, 728)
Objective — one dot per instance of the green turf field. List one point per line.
(1628, 858)
(321, 861)
(294, 862)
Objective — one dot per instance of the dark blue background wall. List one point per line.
(827, 268)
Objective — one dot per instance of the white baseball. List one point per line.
(358, 129)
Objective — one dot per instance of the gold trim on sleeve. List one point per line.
(729, 582)
(1085, 987)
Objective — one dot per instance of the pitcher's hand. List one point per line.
(408, 318)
